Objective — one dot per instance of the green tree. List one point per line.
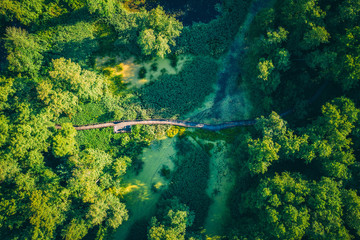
(120, 165)
(57, 100)
(158, 33)
(276, 142)
(24, 51)
(281, 205)
(76, 229)
(265, 68)
(26, 11)
(351, 202)
(47, 213)
(71, 41)
(106, 8)
(6, 90)
(348, 73)
(172, 225)
(64, 141)
(314, 37)
(147, 41)
(299, 15)
(69, 76)
(330, 137)
(326, 211)
(266, 59)
(89, 182)
(262, 152)
(4, 130)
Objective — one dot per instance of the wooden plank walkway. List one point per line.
(125, 126)
(120, 127)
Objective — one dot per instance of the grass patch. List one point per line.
(96, 139)
(93, 112)
(189, 180)
(174, 95)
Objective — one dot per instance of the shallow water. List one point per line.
(220, 184)
(141, 200)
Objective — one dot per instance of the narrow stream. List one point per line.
(230, 102)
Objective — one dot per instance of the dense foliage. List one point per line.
(298, 45)
(56, 183)
(178, 94)
(176, 217)
(301, 180)
(295, 179)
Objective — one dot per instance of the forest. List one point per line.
(287, 71)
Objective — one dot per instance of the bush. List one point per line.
(142, 72)
(156, 187)
(154, 67)
(173, 60)
(165, 172)
(172, 131)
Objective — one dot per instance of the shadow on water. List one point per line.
(189, 11)
(139, 229)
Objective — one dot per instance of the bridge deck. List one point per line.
(125, 126)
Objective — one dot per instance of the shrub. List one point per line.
(142, 72)
(154, 67)
(173, 60)
(165, 172)
(156, 187)
(172, 131)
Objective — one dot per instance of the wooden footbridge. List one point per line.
(125, 126)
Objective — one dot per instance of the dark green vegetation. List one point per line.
(295, 179)
(189, 11)
(172, 221)
(299, 180)
(189, 181)
(300, 183)
(297, 45)
(178, 94)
